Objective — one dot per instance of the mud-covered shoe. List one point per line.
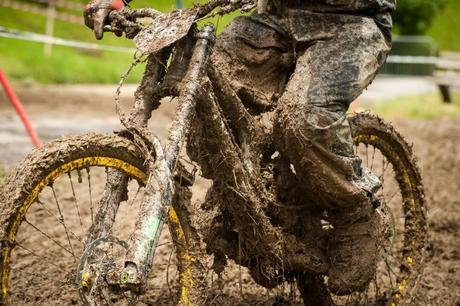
(354, 252)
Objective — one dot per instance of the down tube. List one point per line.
(159, 189)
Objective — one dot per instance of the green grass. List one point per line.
(423, 107)
(445, 28)
(23, 60)
(36, 23)
(26, 60)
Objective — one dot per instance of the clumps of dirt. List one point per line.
(437, 146)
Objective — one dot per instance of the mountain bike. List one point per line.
(82, 219)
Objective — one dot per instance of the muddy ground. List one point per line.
(57, 111)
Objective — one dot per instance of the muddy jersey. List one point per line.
(307, 67)
(342, 6)
(380, 10)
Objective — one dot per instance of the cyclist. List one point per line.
(310, 59)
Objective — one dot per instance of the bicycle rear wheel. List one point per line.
(386, 153)
(47, 206)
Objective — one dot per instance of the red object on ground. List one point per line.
(19, 109)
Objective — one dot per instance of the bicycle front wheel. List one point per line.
(47, 206)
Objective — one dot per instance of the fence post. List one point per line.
(50, 15)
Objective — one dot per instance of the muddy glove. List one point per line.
(96, 13)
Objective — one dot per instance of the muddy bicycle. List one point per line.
(82, 218)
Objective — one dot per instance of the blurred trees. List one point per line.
(414, 17)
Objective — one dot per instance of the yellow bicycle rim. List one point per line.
(378, 143)
(186, 278)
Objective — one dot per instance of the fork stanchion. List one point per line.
(14, 100)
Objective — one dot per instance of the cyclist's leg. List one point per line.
(256, 57)
(252, 55)
(249, 56)
(313, 132)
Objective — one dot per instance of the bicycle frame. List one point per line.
(184, 79)
(258, 212)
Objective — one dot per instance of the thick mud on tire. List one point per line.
(21, 195)
(376, 139)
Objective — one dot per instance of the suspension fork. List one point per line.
(115, 190)
(160, 186)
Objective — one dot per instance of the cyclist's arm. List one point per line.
(96, 12)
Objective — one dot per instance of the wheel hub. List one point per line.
(96, 264)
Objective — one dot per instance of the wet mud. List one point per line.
(436, 144)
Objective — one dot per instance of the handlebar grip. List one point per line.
(117, 5)
(120, 21)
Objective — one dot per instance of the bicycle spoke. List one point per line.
(377, 289)
(389, 272)
(80, 178)
(164, 243)
(384, 281)
(385, 165)
(372, 160)
(167, 272)
(63, 220)
(42, 265)
(392, 196)
(49, 237)
(57, 219)
(90, 196)
(48, 261)
(367, 156)
(74, 197)
(135, 196)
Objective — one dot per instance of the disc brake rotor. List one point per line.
(96, 261)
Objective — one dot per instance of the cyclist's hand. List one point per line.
(96, 13)
(245, 5)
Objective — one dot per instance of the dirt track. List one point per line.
(436, 144)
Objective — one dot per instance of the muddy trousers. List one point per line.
(311, 67)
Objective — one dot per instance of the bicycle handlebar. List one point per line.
(125, 20)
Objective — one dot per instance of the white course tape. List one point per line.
(35, 9)
(63, 3)
(29, 36)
